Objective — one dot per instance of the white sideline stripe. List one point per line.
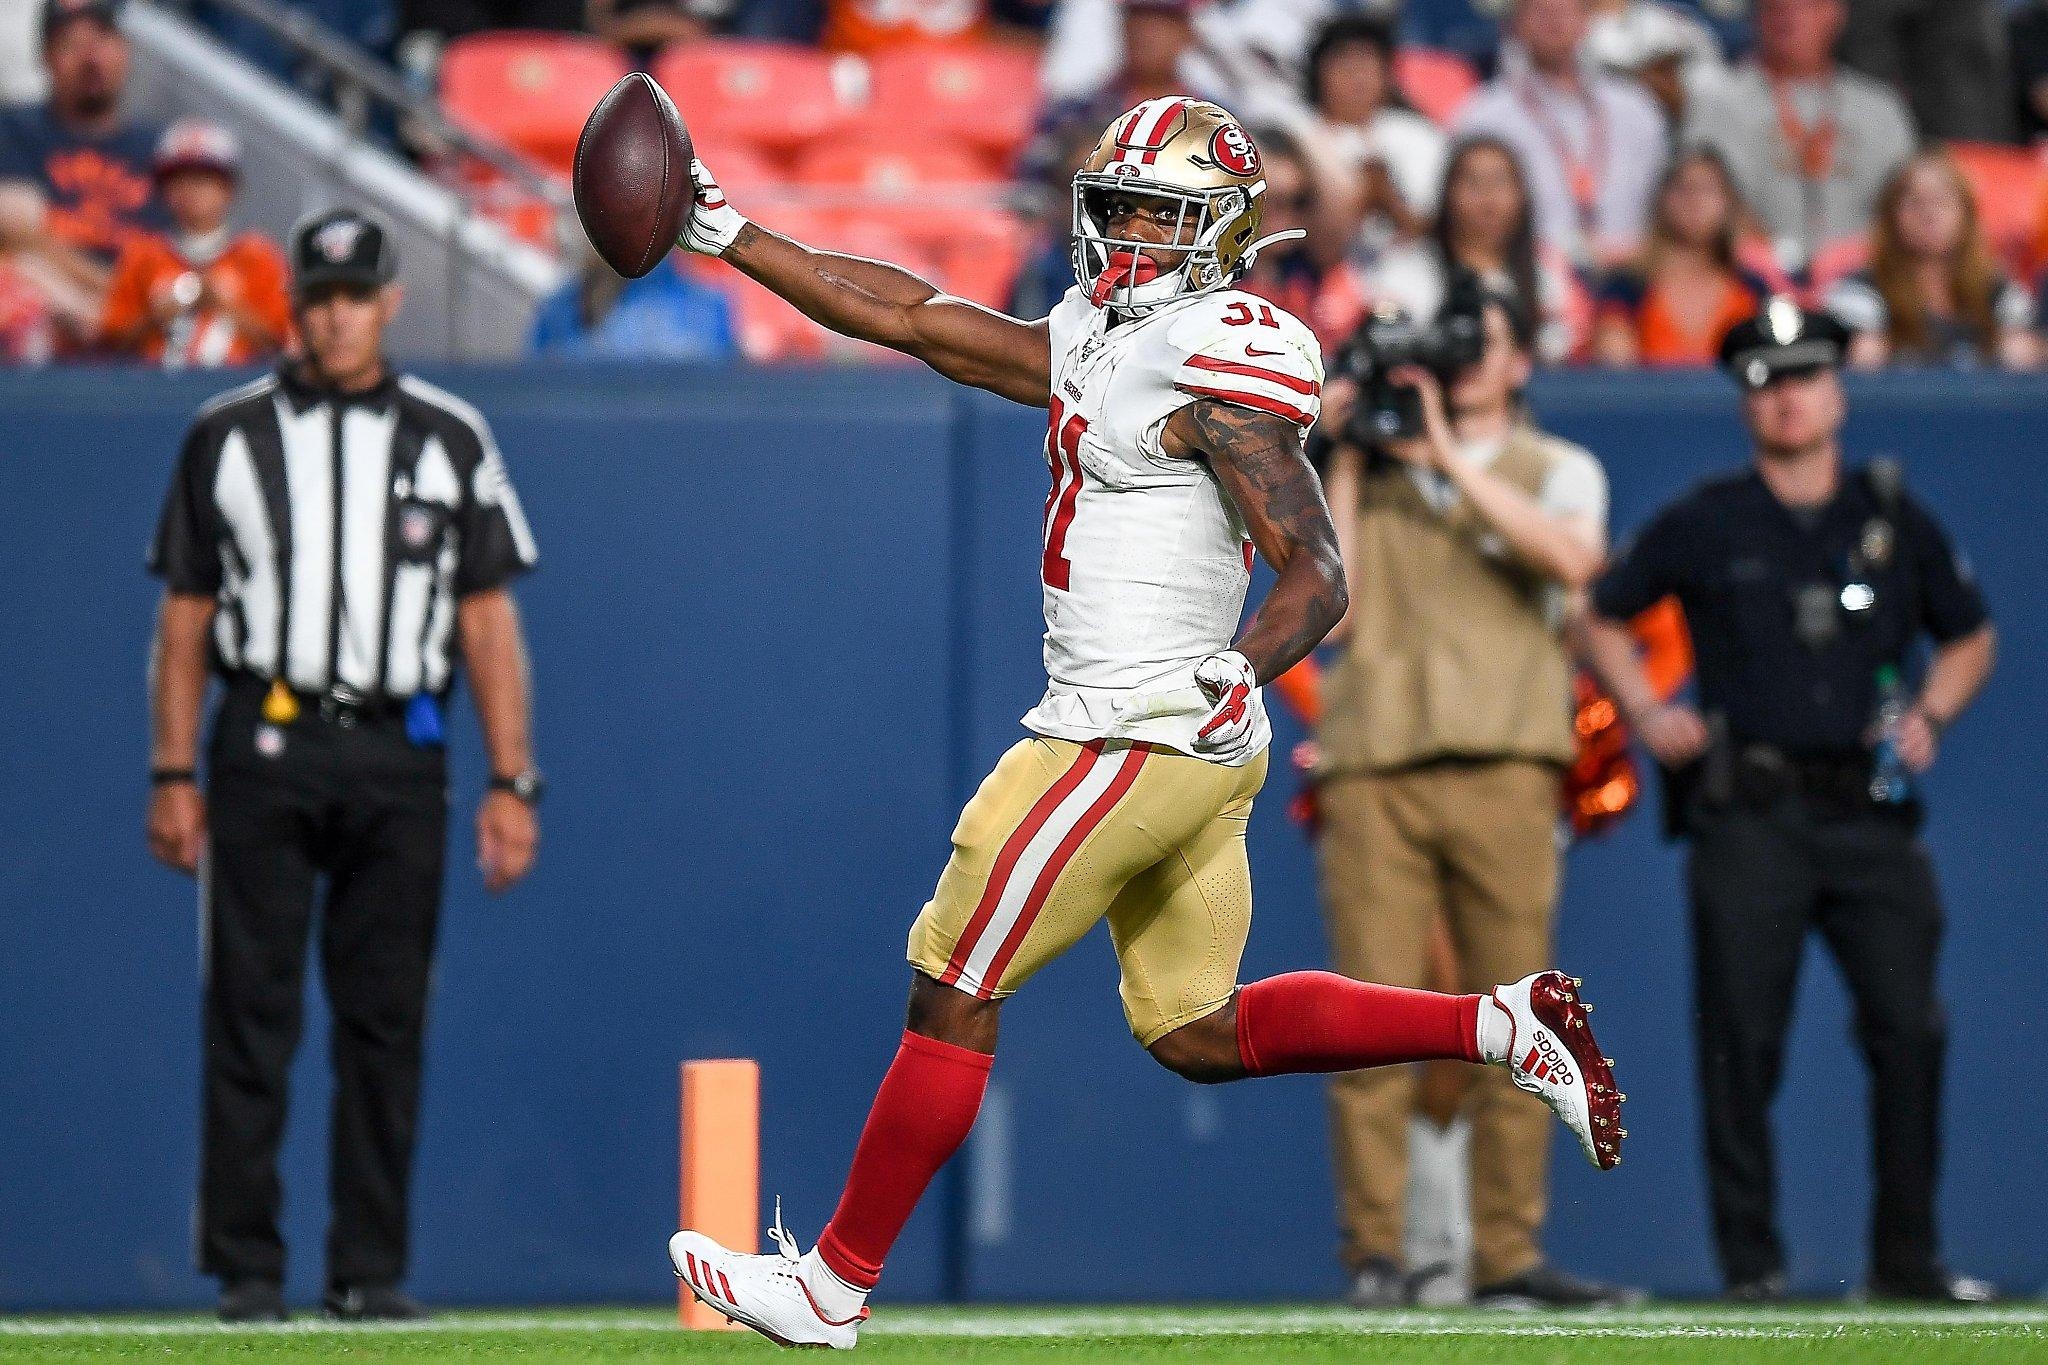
(1706, 1323)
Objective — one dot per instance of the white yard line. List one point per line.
(1659, 1323)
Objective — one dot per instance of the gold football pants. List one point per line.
(1062, 834)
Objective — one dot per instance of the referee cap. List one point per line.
(1782, 339)
(342, 246)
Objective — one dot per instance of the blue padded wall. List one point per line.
(783, 623)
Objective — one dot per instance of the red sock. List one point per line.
(1319, 1021)
(921, 1115)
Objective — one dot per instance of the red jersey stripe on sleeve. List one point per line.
(1260, 401)
(1307, 388)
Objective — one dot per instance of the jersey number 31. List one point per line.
(1063, 453)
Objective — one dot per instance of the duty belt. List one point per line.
(1838, 783)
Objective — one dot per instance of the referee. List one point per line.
(334, 537)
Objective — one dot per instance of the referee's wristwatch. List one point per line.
(526, 785)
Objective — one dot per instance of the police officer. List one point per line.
(334, 537)
(1807, 588)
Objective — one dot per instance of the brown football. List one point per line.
(632, 176)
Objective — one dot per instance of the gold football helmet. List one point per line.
(1183, 150)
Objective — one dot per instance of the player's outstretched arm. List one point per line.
(877, 302)
(886, 304)
(1259, 459)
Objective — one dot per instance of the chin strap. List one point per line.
(1251, 253)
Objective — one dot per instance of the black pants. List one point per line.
(367, 811)
(1760, 881)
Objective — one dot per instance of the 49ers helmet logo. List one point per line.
(1233, 150)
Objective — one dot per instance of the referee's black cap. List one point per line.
(341, 246)
(1782, 339)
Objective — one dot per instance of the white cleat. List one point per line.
(1552, 1055)
(766, 1293)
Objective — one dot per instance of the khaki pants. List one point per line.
(1474, 843)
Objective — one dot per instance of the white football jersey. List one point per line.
(1145, 561)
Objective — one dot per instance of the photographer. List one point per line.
(1445, 733)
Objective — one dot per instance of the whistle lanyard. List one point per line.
(1813, 146)
(1583, 174)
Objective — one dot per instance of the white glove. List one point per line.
(1228, 681)
(713, 223)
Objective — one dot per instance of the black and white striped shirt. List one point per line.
(337, 531)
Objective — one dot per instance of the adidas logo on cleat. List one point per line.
(1546, 1063)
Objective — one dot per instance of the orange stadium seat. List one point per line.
(531, 91)
(982, 96)
(744, 172)
(1836, 261)
(1435, 82)
(976, 250)
(2037, 241)
(770, 329)
(773, 330)
(890, 170)
(2008, 182)
(772, 97)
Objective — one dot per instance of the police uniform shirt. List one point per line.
(337, 531)
(1745, 567)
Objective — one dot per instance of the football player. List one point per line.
(1179, 407)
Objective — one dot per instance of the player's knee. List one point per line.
(951, 1016)
(1204, 1051)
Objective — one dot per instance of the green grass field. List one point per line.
(1308, 1335)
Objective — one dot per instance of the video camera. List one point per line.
(1447, 346)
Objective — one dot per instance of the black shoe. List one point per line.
(252, 1301)
(372, 1303)
(1378, 1283)
(1934, 1285)
(1769, 1288)
(1545, 1286)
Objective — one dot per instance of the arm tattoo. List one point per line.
(1259, 460)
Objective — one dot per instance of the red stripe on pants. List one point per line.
(1013, 849)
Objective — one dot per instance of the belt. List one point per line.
(1839, 782)
(340, 704)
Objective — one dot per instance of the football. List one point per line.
(632, 175)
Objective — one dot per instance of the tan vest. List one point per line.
(1453, 651)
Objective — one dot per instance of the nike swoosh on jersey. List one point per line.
(1254, 350)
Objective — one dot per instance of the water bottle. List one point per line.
(1890, 784)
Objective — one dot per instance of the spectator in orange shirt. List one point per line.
(1673, 306)
(74, 173)
(201, 295)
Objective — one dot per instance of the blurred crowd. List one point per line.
(1634, 182)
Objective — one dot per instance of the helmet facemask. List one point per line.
(1120, 273)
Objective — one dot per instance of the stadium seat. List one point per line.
(1435, 82)
(773, 330)
(744, 172)
(770, 329)
(1836, 261)
(981, 96)
(976, 251)
(2008, 182)
(531, 91)
(893, 170)
(771, 97)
